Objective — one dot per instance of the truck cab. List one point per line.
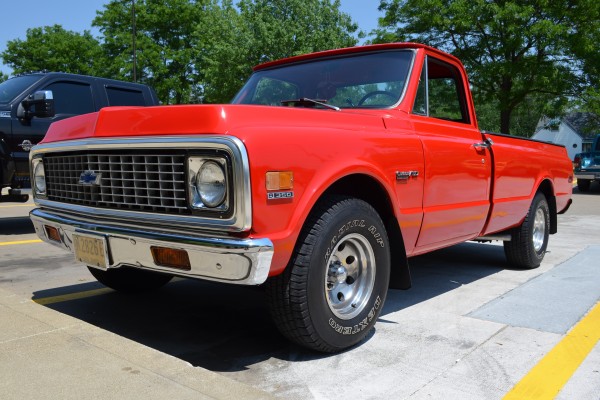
(22, 126)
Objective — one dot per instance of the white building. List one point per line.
(562, 131)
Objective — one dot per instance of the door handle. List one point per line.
(486, 144)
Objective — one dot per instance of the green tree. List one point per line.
(55, 49)
(266, 30)
(3, 77)
(165, 54)
(514, 50)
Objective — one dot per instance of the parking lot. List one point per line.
(468, 329)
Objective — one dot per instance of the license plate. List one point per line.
(91, 250)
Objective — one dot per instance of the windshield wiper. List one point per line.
(304, 101)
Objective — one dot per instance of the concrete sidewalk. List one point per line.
(50, 355)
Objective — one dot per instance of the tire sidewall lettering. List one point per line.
(344, 228)
(362, 325)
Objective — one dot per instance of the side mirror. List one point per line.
(39, 104)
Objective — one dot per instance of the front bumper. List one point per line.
(231, 260)
(587, 175)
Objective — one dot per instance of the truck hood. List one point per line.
(204, 119)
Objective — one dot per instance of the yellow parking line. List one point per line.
(20, 242)
(548, 377)
(18, 205)
(72, 296)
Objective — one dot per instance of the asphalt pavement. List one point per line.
(470, 328)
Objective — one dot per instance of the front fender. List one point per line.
(318, 160)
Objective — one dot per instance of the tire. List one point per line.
(583, 184)
(330, 295)
(529, 241)
(130, 280)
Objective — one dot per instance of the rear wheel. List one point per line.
(583, 184)
(130, 280)
(332, 292)
(529, 241)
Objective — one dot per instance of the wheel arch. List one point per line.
(368, 189)
(547, 189)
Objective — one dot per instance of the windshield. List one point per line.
(12, 87)
(372, 80)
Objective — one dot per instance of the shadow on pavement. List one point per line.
(436, 273)
(227, 328)
(16, 226)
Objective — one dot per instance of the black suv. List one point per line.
(30, 103)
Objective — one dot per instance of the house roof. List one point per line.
(586, 124)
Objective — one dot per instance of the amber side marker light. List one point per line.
(171, 258)
(52, 233)
(280, 180)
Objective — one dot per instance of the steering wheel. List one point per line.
(375, 93)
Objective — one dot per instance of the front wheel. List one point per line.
(333, 290)
(529, 241)
(130, 280)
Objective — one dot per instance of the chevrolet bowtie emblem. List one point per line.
(90, 178)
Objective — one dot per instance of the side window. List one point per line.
(124, 97)
(441, 93)
(72, 98)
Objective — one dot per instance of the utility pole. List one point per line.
(133, 39)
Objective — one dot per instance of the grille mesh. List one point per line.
(151, 182)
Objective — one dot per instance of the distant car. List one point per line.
(30, 103)
(587, 166)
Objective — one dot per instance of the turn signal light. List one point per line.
(171, 258)
(280, 180)
(52, 233)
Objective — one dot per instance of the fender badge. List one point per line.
(406, 175)
(280, 195)
(4, 114)
(26, 145)
(90, 178)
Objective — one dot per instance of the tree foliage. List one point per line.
(165, 53)
(266, 30)
(518, 53)
(53, 48)
(188, 50)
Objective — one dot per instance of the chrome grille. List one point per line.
(151, 182)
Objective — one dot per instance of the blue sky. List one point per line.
(77, 15)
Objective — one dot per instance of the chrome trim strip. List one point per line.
(239, 261)
(241, 218)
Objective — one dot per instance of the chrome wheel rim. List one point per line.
(539, 230)
(350, 276)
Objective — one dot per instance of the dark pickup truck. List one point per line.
(30, 103)
(587, 166)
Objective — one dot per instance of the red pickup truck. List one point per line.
(325, 175)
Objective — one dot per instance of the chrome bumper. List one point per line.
(239, 261)
(587, 175)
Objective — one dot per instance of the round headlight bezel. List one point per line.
(211, 184)
(39, 178)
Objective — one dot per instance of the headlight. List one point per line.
(39, 177)
(208, 183)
